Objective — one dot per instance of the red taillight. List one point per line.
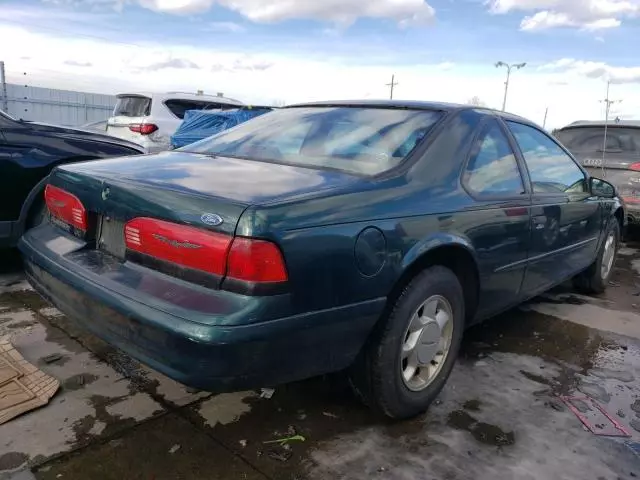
(631, 200)
(635, 167)
(186, 246)
(239, 258)
(143, 128)
(255, 261)
(66, 207)
(516, 211)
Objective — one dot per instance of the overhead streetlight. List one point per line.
(517, 66)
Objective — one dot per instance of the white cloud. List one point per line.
(112, 4)
(180, 7)
(585, 14)
(445, 66)
(260, 77)
(226, 27)
(594, 70)
(343, 12)
(76, 63)
(546, 19)
(603, 23)
(175, 63)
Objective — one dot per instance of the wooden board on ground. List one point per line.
(22, 386)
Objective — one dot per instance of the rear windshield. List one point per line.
(591, 139)
(132, 106)
(179, 107)
(364, 141)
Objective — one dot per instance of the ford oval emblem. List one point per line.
(212, 219)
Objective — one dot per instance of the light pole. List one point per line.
(517, 66)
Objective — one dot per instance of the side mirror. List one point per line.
(601, 188)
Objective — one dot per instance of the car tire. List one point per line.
(595, 279)
(381, 376)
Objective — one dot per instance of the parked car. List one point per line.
(620, 164)
(150, 119)
(199, 124)
(28, 152)
(362, 235)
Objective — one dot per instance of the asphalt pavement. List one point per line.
(501, 415)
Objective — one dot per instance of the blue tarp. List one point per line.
(199, 124)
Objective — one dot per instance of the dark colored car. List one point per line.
(323, 236)
(619, 164)
(28, 152)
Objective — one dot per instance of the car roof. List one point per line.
(412, 105)
(409, 104)
(182, 96)
(602, 123)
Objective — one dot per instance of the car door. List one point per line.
(500, 229)
(566, 219)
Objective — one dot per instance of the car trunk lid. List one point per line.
(208, 192)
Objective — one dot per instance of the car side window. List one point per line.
(179, 107)
(550, 168)
(492, 169)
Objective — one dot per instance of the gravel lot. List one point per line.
(498, 417)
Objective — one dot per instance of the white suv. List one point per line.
(149, 119)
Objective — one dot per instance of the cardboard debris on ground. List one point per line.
(22, 386)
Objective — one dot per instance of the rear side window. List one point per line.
(550, 168)
(132, 106)
(591, 139)
(492, 168)
(179, 107)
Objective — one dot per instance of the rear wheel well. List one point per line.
(455, 258)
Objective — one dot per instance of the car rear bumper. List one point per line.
(198, 346)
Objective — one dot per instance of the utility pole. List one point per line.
(392, 84)
(517, 66)
(608, 102)
(546, 112)
(3, 89)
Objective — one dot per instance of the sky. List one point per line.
(287, 51)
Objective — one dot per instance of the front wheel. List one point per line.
(411, 353)
(596, 278)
